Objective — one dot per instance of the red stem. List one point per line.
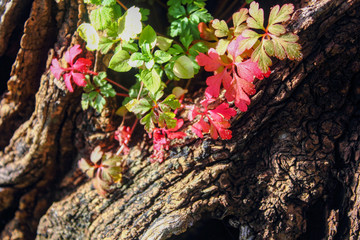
(122, 94)
(117, 84)
(109, 80)
(133, 127)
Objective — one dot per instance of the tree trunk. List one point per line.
(291, 170)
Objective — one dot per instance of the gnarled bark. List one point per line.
(291, 170)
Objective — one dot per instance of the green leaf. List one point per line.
(150, 64)
(108, 2)
(148, 121)
(105, 44)
(286, 45)
(119, 61)
(167, 119)
(144, 14)
(199, 47)
(186, 39)
(183, 67)
(85, 101)
(175, 28)
(176, 49)
(99, 103)
(163, 43)
(269, 47)
(172, 102)
(151, 80)
(278, 15)
(161, 56)
(221, 28)
(200, 15)
(239, 20)
(148, 35)
(138, 106)
(89, 34)
(101, 17)
(136, 60)
(259, 55)
(156, 96)
(276, 29)
(177, 11)
(99, 80)
(257, 16)
(97, 2)
(240, 17)
(251, 38)
(107, 90)
(129, 46)
(222, 46)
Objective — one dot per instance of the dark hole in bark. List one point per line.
(209, 229)
(315, 222)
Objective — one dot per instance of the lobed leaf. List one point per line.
(221, 28)
(278, 15)
(286, 45)
(257, 16)
(148, 121)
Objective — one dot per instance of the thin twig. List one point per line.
(122, 5)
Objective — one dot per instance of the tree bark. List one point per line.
(291, 170)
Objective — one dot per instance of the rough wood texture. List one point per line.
(291, 170)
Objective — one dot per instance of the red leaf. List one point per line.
(79, 79)
(214, 83)
(82, 64)
(238, 91)
(211, 62)
(222, 111)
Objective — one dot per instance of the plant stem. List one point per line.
(117, 84)
(141, 87)
(109, 80)
(122, 94)
(122, 5)
(134, 125)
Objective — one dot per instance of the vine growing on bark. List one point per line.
(236, 55)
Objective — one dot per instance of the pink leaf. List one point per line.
(233, 47)
(56, 69)
(67, 80)
(71, 54)
(248, 70)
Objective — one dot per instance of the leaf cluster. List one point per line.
(103, 168)
(96, 92)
